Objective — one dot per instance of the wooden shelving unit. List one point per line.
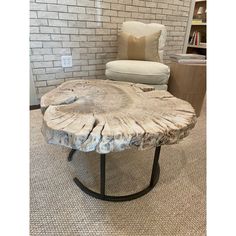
(197, 23)
(196, 46)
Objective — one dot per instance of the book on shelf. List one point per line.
(203, 44)
(195, 39)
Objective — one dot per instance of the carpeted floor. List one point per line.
(176, 206)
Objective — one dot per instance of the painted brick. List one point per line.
(124, 14)
(42, 64)
(59, 37)
(54, 70)
(57, 63)
(36, 58)
(62, 23)
(63, 75)
(34, 30)
(38, 22)
(55, 82)
(73, 9)
(86, 56)
(36, 44)
(57, 8)
(104, 5)
(78, 24)
(66, 2)
(118, 7)
(61, 51)
(103, 31)
(109, 38)
(47, 14)
(40, 83)
(75, 67)
(156, 10)
(52, 44)
(77, 51)
(86, 17)
(80, 38)
(46, 77)
(129, 2)
(92, 24)
(47, 1)
(131, 8)
(51, 57)
(38, 7)
(87, 31)
(173, 7)
(93, 11)
(95, 50)
(178, 2)
(117, 19)
(151, 4)
(77, 62)
(68, 16)
(69, 30)
(80, 73)
(137, 15)
(47, 30)
(33, 14)
(87, 44)
(145, 10)
(41, 51)
(109, 25)
(85, 3)
(138, 3)
(40, 37)
(70, 44)
(162, 5)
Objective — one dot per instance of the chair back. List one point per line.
(140, 29)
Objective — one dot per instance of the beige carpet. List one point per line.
(176, 206)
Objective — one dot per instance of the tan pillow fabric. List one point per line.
(143, 48)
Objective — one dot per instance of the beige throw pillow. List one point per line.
(143, 48)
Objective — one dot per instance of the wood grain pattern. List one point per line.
(106, 116)
(188, 82)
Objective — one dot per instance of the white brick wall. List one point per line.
(87, 30)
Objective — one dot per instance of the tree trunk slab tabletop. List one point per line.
(107, 116)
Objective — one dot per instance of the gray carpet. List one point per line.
(176, 206)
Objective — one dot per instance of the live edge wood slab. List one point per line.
(106, 116)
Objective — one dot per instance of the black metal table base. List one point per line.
(153, 181)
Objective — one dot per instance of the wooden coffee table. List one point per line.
(109, 116)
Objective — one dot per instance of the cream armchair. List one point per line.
(137, 71)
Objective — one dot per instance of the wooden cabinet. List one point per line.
(197, 25)
(188, 82)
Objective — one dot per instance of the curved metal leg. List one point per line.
(153, 181)
(71, 155)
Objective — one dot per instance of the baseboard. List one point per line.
(34, 107)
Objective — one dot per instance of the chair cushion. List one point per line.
(146, 72)
(143, 48)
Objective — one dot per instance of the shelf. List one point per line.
(203, 23)
(196, 23)
(196, 46)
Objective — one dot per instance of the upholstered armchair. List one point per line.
(150, 72)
